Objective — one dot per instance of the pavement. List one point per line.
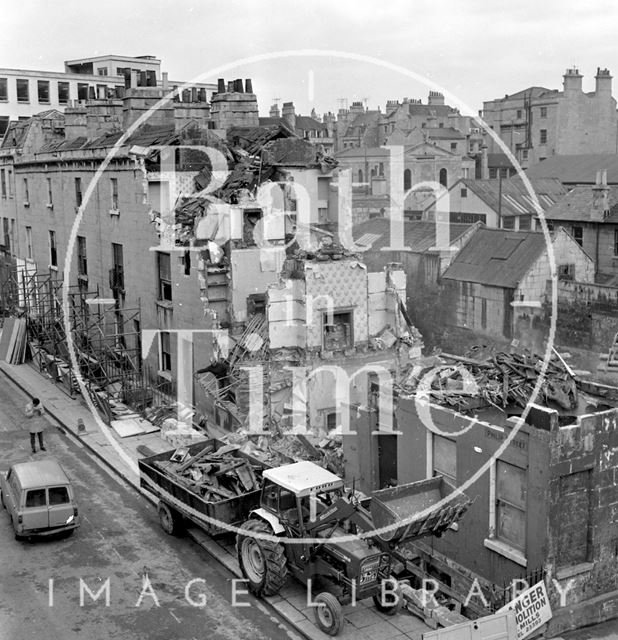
(362, 620)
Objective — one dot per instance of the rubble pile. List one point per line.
(213, 475)
(500, 380)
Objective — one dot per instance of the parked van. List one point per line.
(39, 498)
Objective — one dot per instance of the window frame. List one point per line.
(4, 89)
(435, 469)
(29, 252)
(45, 84)
(82, 256)
(542, 136)
(577, 231)
(509, 504)
(113, 182)
(164, 277)
(79, 197)
(25, 100)
(60, 89)
(326, 317)
(165, 351)
(53, 249)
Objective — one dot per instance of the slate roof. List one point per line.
(515, 197)
(576, 205)
(419, 235)
(576, 169)
(442, 133)
(496, 257)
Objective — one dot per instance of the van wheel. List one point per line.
(170, 519)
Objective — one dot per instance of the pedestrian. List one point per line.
(34, 412)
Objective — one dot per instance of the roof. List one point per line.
(530, 92)
(362, 152)
(419, 235)
(309, 124)
(292, 152)
(515, 198)
(577, 169)
(449, 133)
(301, 478)
(577, 205)
(496, 257)
(499, 161)
(40, 473)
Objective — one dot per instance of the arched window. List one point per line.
(360, 175)
(407, 180)
(443, 177)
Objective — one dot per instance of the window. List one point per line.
(524, 154)
(443, 177)
(26, 192)
(445, 458)
(23, 90)
(483, 313)
(381, 169)
(407, 179)
(7, 234)
(101, 92)
(82, 259)
(616, 242)
(9, 182)
(43, 91)
(63, 93)
(29, 243)
(453, 146)
(36, 498)
(543, 112)
(331, 421)
(4, 125)
(53, 250)
(58, 495)
(464, 192)
(518, 114)
(360, 175)
(82, 91)
(4, 90)
(50, 201)
(114, 188)
(493, 172)
(508, 222)
(164, 269)
(578, 234)
(165, 354)
(525, 223)
(543, 136)
(78, 192)
(3, 182)
(566, 272)
(102, 71)
(511, 497)
(337, 334)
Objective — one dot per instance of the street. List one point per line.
(140, 576)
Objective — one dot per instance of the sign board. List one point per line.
(499, 626)
(531, 610)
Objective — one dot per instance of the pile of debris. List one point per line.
(213, 475)
(500, 380)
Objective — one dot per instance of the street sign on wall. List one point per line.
(531, 610)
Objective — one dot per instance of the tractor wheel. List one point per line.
(389, 609)
(170, 519)
(328, 613)
(262, 562)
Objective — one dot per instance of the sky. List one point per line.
(475, 50)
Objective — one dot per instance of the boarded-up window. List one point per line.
(445, 458)
(511, 496)
(574, 535)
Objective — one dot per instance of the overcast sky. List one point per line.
(477, 49)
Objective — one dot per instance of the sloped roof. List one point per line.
(576, 169)
(531, 92)
(424, 110)
(496, 257)
(441, 133)
(354, 152)
(419, 235)
(308, 124)
(515, 197)
(499, 161)
(576, 205)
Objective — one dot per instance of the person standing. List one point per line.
(34, 412)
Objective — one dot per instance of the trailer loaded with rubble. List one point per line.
(340, 545)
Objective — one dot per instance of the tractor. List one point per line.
(302, 504)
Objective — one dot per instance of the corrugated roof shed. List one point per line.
(496, 257)
(419, 235)
(577, 205)
(516, 199)
(576, 169)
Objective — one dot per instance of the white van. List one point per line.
(39, 498)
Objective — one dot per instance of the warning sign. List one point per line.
(531, 610)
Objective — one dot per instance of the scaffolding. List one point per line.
(106, 338)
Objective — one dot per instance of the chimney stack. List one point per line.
(221, 85)
(288, 113)
(435, 98)
(248, 86)
(572, 81)
(600, 197)
(164, 82)
(603, 81)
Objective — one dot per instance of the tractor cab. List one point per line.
(296, 494)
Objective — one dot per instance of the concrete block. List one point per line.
(398, 279)
(282, 335)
